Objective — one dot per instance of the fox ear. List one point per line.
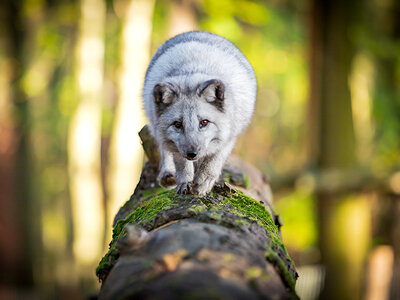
(164, 94)
(214, 92)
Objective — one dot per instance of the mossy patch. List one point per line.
(107, 262)
(288, 277)
(250, 208)
(198, 209)
(277, 252)
(155, 201)
(154, 191)
(233, 210)
(236, 178)
(147, 210)
(246, 181)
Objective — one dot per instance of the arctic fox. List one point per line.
(199, 95)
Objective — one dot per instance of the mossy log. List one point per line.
(225, 245)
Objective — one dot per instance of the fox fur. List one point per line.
(199, 95)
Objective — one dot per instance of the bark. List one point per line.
(225, 245)
(18, 228)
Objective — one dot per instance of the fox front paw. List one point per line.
(184, 188)
(204, 184)
(166, 179)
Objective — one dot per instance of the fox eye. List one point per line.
(203, 123)
(177, 124)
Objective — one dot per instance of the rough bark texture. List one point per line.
(225, 245)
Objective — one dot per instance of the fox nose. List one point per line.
(191, 154)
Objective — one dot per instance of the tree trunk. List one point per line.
(224, 245)
(387, 115)
(19, 230)
(181, 17)
(84, 137)
(125, 151)
(342, 243)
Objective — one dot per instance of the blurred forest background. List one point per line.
(326, 132)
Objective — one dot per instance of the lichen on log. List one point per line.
(224, 245)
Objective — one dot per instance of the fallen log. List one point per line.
(225, 245)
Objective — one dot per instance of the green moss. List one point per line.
(250, 208)
(227, 177)
(246, 181)
(156, 200)
(197, 209)
(236, 178)
(214, 214)
(288, 277)
(147, 211)
(253, 210)
(107, 261)
(242, 222)
(254, 272)
(154, 191)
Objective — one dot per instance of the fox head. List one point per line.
(191, 120)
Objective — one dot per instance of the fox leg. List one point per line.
(208, 171)
(166, 176)
(184, 174)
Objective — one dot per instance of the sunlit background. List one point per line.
(326, 132)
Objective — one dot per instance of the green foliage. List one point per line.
(298, 212)
(386, 110)
(379, 40)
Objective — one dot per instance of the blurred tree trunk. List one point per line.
(395, 241)
(17, 229)
(332, 146)
(387, 104)
(84, 136)
(332, 136)
(126, 154)
(394, 84)
(181, 17)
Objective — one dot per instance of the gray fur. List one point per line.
(193, 79)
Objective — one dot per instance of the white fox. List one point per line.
(199, 95)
